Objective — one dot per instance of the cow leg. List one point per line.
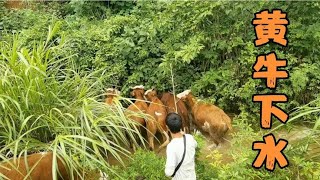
(166, 141)
(151, 143)
(140, 133)
(133, 145)
(187, 130)
(187, 127)
(151, 131)
(131, 140)
(164, 138)
(214, 137)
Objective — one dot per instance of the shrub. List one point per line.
(143, 165)
(46, 106)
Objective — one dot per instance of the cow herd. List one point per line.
(149, 111)
(204, 116)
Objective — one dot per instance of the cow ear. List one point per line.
(133, 93)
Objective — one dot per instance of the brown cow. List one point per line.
(40, 165)
(207, 117)
(156, 120)
(169, 101)
(139, 106)
(110, 94)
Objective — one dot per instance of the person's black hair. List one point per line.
(174, 122)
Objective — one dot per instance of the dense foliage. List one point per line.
(209, 44)
(215, 167)
(45, 106)
(58, 57)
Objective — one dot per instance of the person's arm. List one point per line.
(171, 162)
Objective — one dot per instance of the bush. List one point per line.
(147, 165)
(143, 165)
(243, 156)
(136, 46)
(46, 106)
(51, 85)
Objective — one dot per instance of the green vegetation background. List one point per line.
(210, 47)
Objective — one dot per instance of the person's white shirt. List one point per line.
(174, 155)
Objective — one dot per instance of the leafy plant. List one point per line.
(45, 106)
(51, 85)
(144, 165)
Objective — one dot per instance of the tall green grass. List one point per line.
(311, 142)
(47, 105)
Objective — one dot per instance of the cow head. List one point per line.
(184, 95)
(149, 94)
(110, 92)
(137, 90)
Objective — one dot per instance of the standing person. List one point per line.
(180, 163)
